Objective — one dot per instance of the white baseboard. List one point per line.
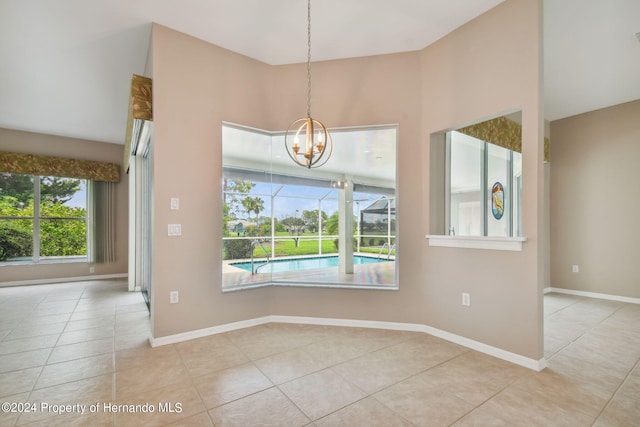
(517, 359)
(64, 279)
(536, 365)
(592, 295)
(200, 333)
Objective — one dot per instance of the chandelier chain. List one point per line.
(302, 144)
(308, 58)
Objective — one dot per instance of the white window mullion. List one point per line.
(484, 189)
(447, 186)
(508, 194)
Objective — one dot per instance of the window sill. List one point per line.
(47, 261)
(477, 242)
(323, 285)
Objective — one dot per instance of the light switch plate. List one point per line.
(466, 299)
(174, 297)
(174, 230)
(175, 204)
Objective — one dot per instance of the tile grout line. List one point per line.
(613, 395)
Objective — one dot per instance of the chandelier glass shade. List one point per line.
(307, 140)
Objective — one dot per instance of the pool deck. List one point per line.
(379, 275)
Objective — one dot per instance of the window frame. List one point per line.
(514, 225)
(279, 177)
(37, 218)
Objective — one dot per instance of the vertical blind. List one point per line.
(101, 222)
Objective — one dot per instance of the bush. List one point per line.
(337, 242)
(237, 249)
(14, 243)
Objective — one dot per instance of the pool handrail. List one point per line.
(255, 243)
(390, 248)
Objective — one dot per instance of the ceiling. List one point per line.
(58, 57)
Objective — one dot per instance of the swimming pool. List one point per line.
(280, 265)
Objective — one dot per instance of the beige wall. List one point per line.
(490, 65)
(594, 201)
(195, 87)
(35, 143)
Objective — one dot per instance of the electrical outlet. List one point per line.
(575, 269)
(92, 269)
(466, 299)
(173, 297)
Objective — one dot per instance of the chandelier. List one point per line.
(316, 148)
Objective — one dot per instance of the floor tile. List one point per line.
(23, 360)
(301, 335)
(91, 323)
(289, 365)
(379, 369)
(141, 357)
(64, 372)
(230, 384)
(321, 393)
(603, 352)
(73, 337)
(99, 419)
(27, 344)
(18, 381)
(199, 420)
(621, 411)
(170, 404)
(339, 349)
(367, 412)
(152, 376)
(423, 403)
(87, 391)
(125, 341)
(27, 331)
(473, 377)
(88, 342)
(576, 385)
(518, 407)
(9, 418)
(259, 341)
(68, 352)
(36, 319)
(267, 408)
(210, 354)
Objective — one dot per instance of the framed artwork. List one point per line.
(497, 200)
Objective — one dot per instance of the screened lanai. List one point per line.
(286, 225)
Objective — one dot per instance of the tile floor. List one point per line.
(86, 344)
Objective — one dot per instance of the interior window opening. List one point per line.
(332, 226)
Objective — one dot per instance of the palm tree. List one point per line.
(253, 204)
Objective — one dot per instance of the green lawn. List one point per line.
(288, 248)
(309, 247)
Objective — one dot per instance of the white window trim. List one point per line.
(477, 242)
(36, 258)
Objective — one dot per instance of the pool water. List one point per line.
(280, 265)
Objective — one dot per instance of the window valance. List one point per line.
(502, 132)
(33, 164)
(140, 109)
